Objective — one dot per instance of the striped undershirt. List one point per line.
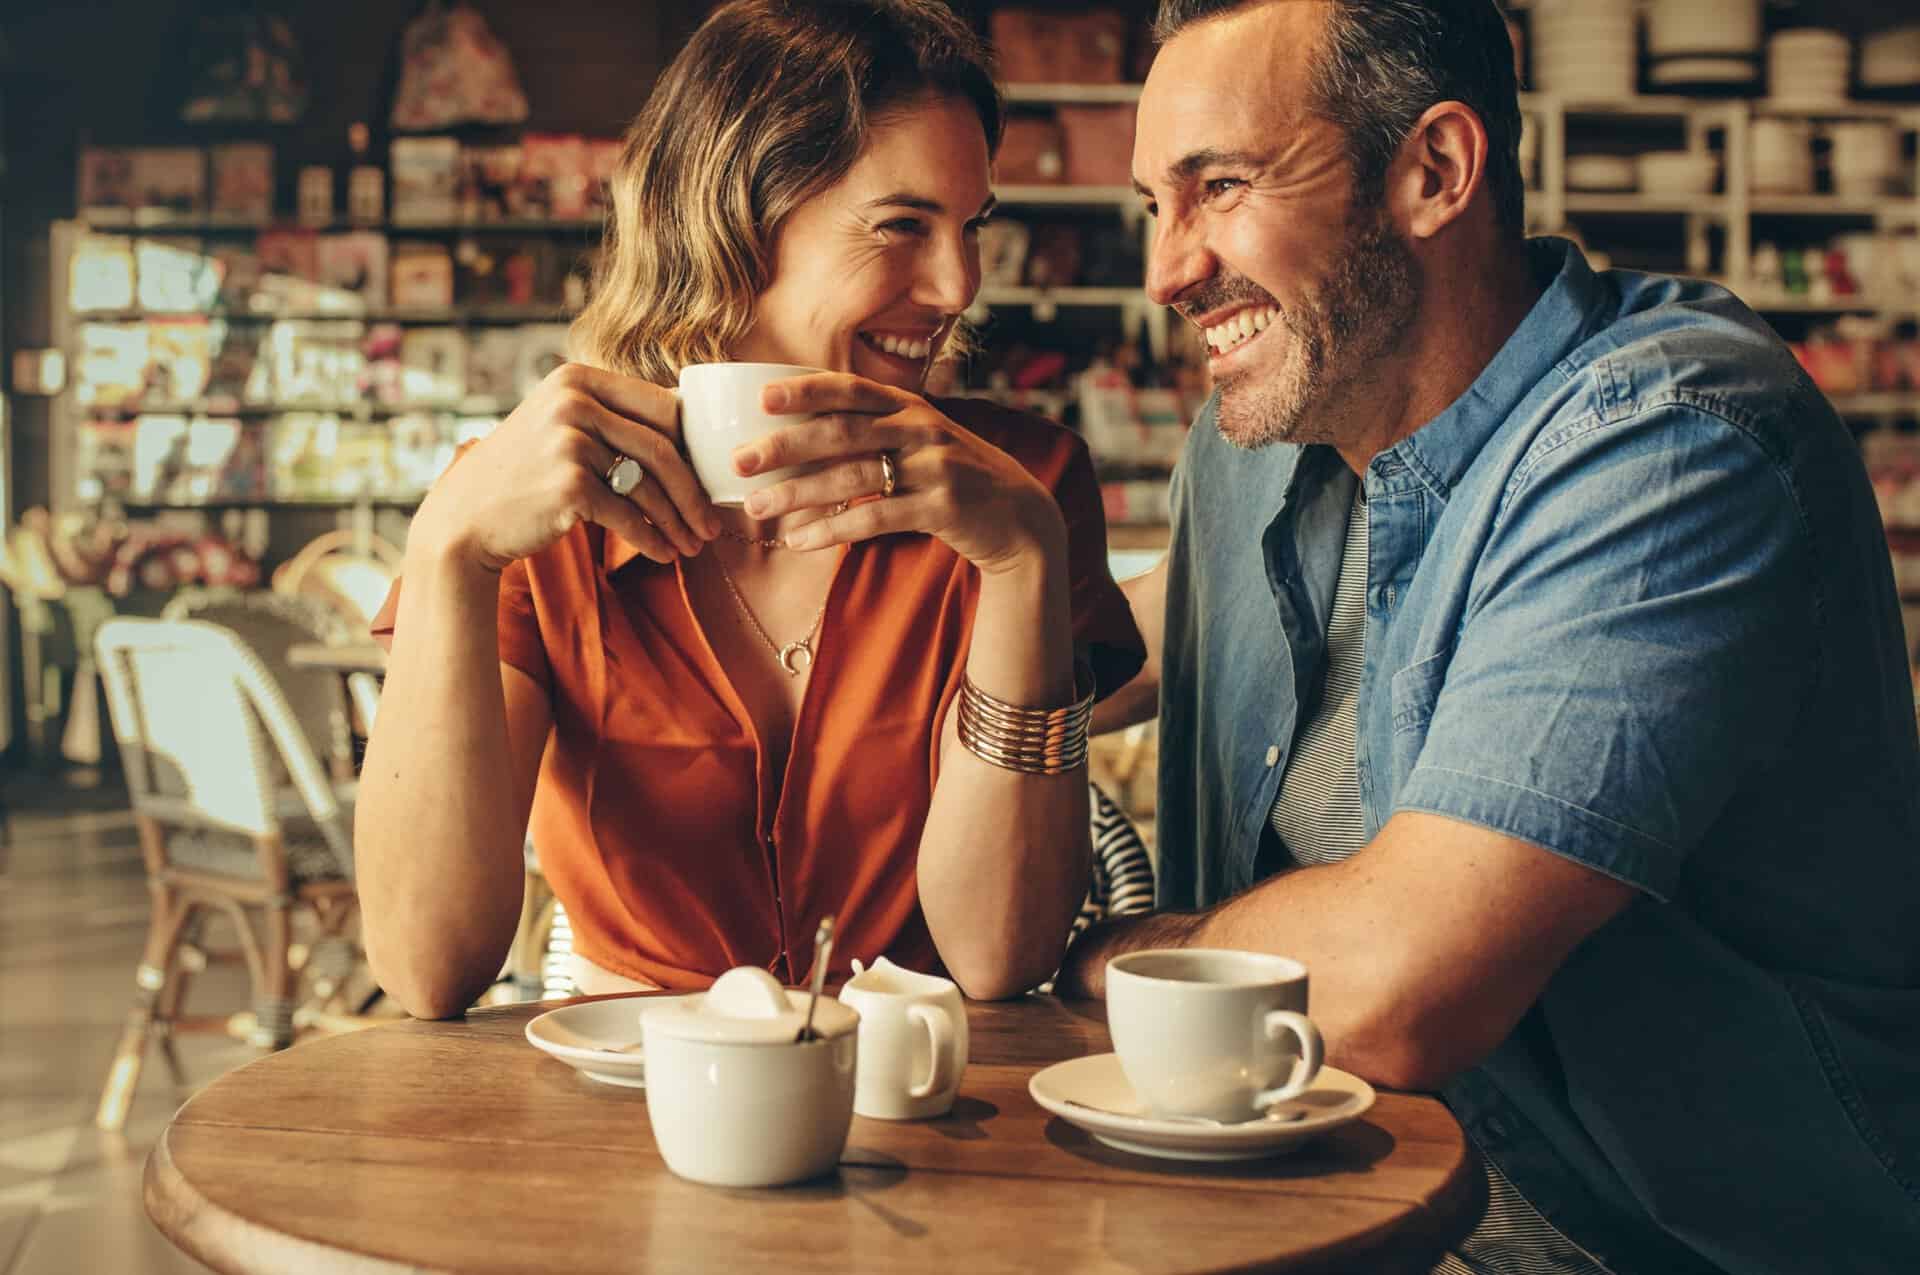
(1318, 819)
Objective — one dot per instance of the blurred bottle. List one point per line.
(366, 183)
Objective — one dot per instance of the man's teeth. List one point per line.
(1241, 326)
(900, 347)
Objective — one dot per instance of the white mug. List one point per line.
(913, 1042)
(719, 411)
(738, 1101)
(1204, 1032)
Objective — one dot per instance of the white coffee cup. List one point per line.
(1205, 1032)
(913, 1041)
(719, 411)
(737, 1101)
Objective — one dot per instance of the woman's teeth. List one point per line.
(899, 347)
(1240, 327)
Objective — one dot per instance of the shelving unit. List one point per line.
(1072, 94)
(1134, 310)
(1723, 225)
(1717, 233)
(359, 409)
(163, 224)
(1067, 196)
(438, 316)
(68, 414)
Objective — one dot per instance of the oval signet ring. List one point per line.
(624, 475)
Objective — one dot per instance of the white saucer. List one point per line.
(1113, 1115)
(588, 1036)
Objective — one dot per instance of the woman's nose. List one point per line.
(950, 277)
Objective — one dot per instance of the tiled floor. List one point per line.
(73, 914)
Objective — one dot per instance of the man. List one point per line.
(1528, 664)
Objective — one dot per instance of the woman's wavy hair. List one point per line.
(770, 103)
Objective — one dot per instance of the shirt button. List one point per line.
(1273, 754)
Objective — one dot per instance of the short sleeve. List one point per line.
(1639, 633)
(1103, 627)
(518, 618)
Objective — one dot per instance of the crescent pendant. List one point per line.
(796, 658)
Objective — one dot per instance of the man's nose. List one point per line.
(1180, 258)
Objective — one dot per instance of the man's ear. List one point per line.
(1440, 170)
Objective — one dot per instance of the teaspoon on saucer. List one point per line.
(1273, 1115)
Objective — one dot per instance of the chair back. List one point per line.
(271, 625)
(1122, 869)
(200, 722)
(351, 572)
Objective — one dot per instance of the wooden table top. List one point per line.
(361, 657)
(458, 1146)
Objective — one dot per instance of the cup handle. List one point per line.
(940, 1035)
(1305, 1068)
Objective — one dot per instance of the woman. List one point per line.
(804, 187)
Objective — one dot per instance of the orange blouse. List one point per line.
(657, 825)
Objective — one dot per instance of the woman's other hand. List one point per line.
(948, 483)
(545, 469)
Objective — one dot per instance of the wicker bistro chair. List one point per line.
(1122, 886)
(205, 733)
(349, 572)
(272, 624)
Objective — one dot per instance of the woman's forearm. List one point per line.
(438, 829)
(1004, 858)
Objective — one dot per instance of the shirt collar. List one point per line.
(1568, 311)
(615, 553)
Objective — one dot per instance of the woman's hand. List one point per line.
(545, 469)
(948, 483)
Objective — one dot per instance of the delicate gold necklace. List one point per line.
(795, 657)
(772, 542)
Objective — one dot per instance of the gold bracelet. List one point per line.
(1032, 741)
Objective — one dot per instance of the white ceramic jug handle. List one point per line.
(1305, 1067)
(939, 1027)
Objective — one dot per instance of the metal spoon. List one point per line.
(1272, 1115)
(822, 953)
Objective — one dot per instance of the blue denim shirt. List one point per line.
(1628, 600)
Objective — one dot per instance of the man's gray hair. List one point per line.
(1386, 61)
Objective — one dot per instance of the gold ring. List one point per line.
(889, 475)
(624, 475)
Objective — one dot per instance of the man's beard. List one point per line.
(1336, 330)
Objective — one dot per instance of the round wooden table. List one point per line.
(458, 1146)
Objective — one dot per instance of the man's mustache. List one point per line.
(1221, 293)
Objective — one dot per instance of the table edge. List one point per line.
(229, 1243)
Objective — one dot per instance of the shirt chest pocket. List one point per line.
(1412, 695)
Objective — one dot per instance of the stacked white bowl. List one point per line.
(1809, 67)
(1782, 156)
(1891, 59)
(1678, 172)
(1703, 42)
(1585, 50)
(1602, 172)
(1865, 157)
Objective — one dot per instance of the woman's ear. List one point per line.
(1441, 169)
